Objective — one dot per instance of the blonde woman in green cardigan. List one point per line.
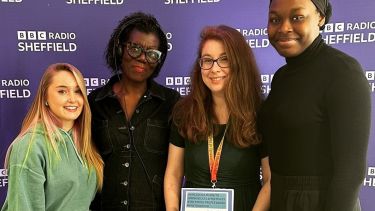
(52, 163)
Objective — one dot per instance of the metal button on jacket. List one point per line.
(147, 132)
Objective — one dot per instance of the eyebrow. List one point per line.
(144, 47)
(293, 10)
(222, 54)
(67, 87)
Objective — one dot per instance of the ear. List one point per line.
(322, 20)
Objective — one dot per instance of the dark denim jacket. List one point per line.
(134, 152)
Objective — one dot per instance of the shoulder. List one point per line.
(340, 62)
(280, 70)
(103, 91)
(182, 106)
(278, 74)
(95, 94)
(35, 135)
(33, 145)
(164, 92)
(341, 71)
(345, 76)
(175, 137)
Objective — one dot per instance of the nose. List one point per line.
(72, 97)
(215, 67)
(142, 57)
(285, 26)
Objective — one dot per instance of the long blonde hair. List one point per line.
(39, 113)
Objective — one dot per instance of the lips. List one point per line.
(71, 108)
(286, 41)
(139, 69)
(217, 79)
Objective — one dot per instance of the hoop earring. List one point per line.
(46, 103)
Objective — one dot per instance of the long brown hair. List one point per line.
(193, 114)
(41, 114)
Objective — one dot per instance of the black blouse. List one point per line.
(239, 168)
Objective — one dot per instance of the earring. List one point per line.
(46, 103)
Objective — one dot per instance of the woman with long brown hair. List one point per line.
(219, 115)
(52, 164)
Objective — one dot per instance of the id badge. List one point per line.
(207, 199)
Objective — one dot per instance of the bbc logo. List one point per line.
(178, 81)
(3, 173)
(91, 81)
(334, 27)
(12, 1)
(371, 171)
(370, 75)
(266, 78)
(32, 35)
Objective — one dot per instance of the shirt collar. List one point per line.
(153, 89)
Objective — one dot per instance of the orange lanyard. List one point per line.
(214, 162)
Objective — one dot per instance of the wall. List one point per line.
(37, 33)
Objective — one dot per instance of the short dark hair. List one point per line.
(142, 22)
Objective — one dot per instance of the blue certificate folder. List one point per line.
(206, 199)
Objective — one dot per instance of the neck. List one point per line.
(126, 87)
(220, 109)
(67, 126)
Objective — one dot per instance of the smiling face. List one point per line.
(293, 25)
(215, 78)
(138, 70)
(64, 98)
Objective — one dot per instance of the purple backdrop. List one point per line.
(40, 32)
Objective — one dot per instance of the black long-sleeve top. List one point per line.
(316, 121)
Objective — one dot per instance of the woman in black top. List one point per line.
(316, 118)
(130, 116)
(223, 103)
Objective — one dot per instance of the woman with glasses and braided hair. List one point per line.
(316, 119)
(214, 142)
(130, 117)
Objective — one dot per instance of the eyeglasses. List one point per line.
(207, 63)
(135, 51)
